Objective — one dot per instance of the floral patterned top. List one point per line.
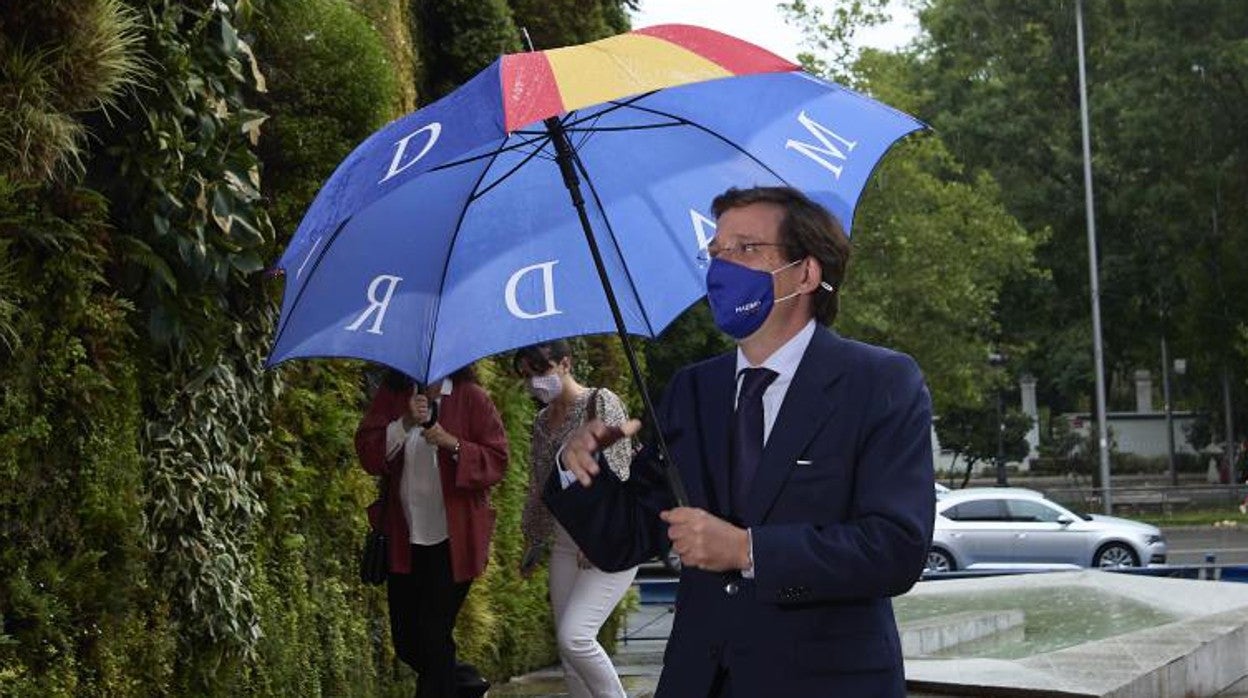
(536, 522)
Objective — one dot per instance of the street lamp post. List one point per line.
(1165, 389)
(997, 360)
(1097, 350)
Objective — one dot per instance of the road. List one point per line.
(1188, 545)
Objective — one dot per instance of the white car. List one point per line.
(1015, 528)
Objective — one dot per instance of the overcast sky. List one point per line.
(759, 22)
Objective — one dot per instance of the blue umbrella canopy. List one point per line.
(449, 235)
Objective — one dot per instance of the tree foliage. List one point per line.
(459, 38)
(555, 23)
(931, 255)
(831, 39)
(59, 60)
(81, 613)
(185, 186)
(175, 520)
(330, 85)
(934, 247)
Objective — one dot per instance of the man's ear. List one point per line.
(813, 274)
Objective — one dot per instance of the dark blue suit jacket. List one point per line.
(841, 513)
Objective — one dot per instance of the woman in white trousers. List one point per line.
(581, 595)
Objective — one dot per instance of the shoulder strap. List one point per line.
(591, 410)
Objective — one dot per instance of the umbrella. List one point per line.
(562, 193)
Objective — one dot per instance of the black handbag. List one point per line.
(373, 559)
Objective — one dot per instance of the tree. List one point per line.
(1166, 86)
(972, 433)
(555, 23)
(933, 245)
(457, 39)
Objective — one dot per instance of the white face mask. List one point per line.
(545, 388)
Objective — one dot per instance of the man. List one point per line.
(810, 481)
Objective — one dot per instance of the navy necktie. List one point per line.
(747, 434)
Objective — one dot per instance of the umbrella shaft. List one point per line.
(565, 156)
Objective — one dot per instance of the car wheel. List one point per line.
(1115, 555)
(940, 561)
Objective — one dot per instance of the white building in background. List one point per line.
(1141, 433)
(1027, 395)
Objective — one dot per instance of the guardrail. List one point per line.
(1138, 497)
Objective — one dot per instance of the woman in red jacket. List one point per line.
(440, 449)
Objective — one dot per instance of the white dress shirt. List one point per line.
(420, 488)
(783, 361)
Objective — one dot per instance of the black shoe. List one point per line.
(469, 683)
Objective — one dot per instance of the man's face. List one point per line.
(750, 236)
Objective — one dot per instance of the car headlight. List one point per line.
(1155, 538)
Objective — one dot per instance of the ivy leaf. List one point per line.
(248, 262)
(250, 127)
(222, 213)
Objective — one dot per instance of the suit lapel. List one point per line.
(716, 392)
(807, 406)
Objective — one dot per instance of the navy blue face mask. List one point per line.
(741, 298)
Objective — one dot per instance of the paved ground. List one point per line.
(638, 659)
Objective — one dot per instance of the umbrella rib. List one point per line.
(700, 127)
(572, 119)
(608, 129)
(491, 154)
(478, 194)
(576, 158)
(615, 106)
(459, 224)
(299, 296)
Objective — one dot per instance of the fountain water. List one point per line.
(1087, 633)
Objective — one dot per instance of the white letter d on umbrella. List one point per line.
(548, 284)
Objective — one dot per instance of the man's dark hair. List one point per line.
(540, 357)
(807, 229)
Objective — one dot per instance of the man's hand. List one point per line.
(707, 542)
(581, 448)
